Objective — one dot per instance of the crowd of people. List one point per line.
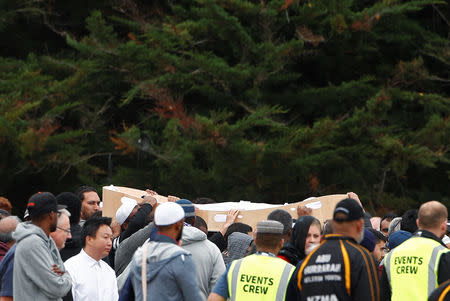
(62, 248)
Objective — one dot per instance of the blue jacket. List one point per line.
(170, 272)
(6, 273)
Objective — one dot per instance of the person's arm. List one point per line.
(215, 297)
(34, 258)
(219, 238)
(303, 211)
(444, 268)
(127, 293)
(138, 220)
(220, 290)
(231, 218)
(367, 223)
(6, 290)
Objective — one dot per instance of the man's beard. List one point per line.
(180, 234)
(54, 223)
(361, 236)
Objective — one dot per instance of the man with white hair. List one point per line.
(62, 232)
(7, 226)
(161, 269)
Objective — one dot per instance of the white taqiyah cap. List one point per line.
(125, 209)
(168, 214)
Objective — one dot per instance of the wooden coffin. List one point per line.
(215, 214)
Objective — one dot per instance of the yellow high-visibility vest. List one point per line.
(259, 278)
(412, 268)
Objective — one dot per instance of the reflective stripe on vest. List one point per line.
(258, 277)
(412, 268)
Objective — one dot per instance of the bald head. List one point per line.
(432, 216)
(9, 224)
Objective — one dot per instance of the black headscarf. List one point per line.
(294, 250)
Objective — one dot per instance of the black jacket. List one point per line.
(443, 268)
(441, 293)
(339, 267)
(218, 239)
(137, 222)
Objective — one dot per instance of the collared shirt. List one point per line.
(265, 254)
(91, 279)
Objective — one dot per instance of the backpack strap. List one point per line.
(144, 272)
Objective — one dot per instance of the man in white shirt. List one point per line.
(92, 278)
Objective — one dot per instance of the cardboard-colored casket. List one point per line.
(215, 214)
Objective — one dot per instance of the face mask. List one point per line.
(311, 248)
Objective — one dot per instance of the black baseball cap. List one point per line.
(42, 203)
(349, 210)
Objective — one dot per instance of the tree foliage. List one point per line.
(268, 101)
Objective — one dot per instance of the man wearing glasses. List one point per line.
(62, 229)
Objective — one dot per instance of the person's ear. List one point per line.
(444, 227)
(360, 225)
(180, 225)
(88, 240)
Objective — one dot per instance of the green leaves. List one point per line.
(265, 101)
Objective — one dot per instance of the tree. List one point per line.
(266, 101)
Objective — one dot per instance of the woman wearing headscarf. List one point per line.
(305, 236)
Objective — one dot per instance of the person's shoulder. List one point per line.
(168, 247)
(212, 247)
(282, 262)
(74, 262)
(183, 256)
(30, 244)
(72, 259)
(355, 248)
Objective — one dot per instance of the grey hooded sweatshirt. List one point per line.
(170, 272)
(35, 255)
(209, 265)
